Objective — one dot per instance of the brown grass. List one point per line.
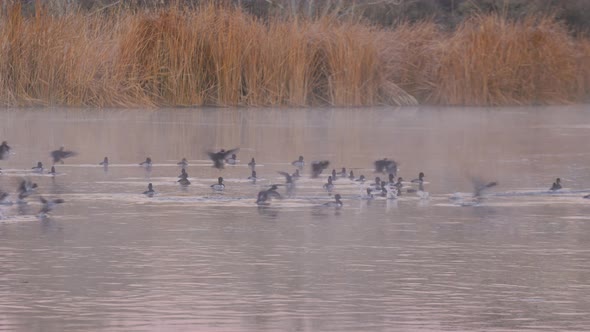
(492, 61)
(222, 56)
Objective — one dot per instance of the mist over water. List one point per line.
(111, 259)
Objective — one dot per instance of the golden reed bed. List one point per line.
(222, 56)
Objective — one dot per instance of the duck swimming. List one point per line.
(299, 163)
(183, 163)
(368, 195)
(61, 154)
(317, 167)
(218, 158)
(343, 172)
(361, 179)
(252, 163)
(399, 184)
(337, 203)
(150, 191)
(147, 164)
(377, 184)
(334, 177)
(232, 160)
(183, 177)
(105, 164)
(556, 185)
(351, 175)
(420, 178)
(52, 171)
(184, 182)
(219, 186)
(38, 168)
(4, 150)
(252, 177)
(329, 186)
(296, 175)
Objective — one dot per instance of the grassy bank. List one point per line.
(223, 56)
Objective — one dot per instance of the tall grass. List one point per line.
(223, 56)
(491, 61)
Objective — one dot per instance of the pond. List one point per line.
(189, 258)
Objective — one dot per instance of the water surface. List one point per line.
(111, 259)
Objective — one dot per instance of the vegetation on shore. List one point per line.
(221, 55)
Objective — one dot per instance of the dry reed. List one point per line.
(492, 61)
(223, 56)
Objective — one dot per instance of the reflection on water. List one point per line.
(190, 259)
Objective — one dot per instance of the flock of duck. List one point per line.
(391, 188)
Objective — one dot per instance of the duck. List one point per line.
(299, 163)
(218, 158)
(38, 168)
(265, 196)
(391, 180)
(52, 171)
(420, 178)
(26, 188)
(343, 172)
(389, 193)
(105, 164)
(351, 175)
(219, 186)
(147, 164)
(337, 203)
(61, 154)
(385, 166)
(317, 167)
(296, 175)
(252, 163)
(414, 190)
(329, 186)
(183, 174)
(183, 163)
(184, 182)
(48, 205)
(253, 177)
(587, 196)
(384, 190)
(3, 197)
(4, 150)
(399, 184)
(361, 179)
(334, 177)
(272, 191)
(289, 183)
(368, 195)
(232, 160)
(150, 191)
(556, 185)
(480, 186)
(377, 184)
